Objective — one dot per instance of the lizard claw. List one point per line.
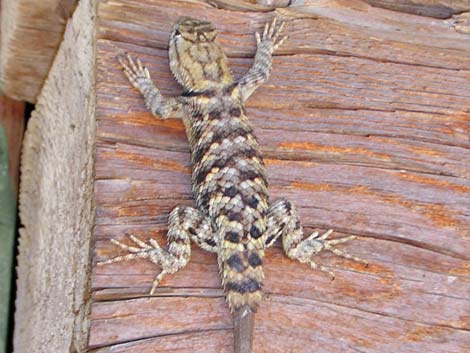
(329, 245)
(135, 72)
(271, 35)
(142, 250)
(315, 243)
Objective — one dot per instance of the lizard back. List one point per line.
(229, 178)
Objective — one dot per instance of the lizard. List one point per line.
(233, 217)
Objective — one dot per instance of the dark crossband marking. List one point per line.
(236, 158)
(247, 286)
(206, 94)
(205, 144)
(255, 260)
(235, 112)
(255, 232)
(231, 191)
(236, 263)
(232, 237)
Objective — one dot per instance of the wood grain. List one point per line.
(56, 193)
(31, 32)
(431, 8)
(365, 127)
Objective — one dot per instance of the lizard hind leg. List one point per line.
(283, 221)
(151, 251)
(184, 223)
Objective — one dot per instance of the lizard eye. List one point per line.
(177, 32)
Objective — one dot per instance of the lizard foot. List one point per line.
(317, 242)
(153, 252)
(137, 74)
(271, 36)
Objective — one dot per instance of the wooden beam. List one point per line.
(432, 8)
(56, 200)
(31, 32)
(364, 126)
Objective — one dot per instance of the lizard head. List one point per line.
(196, 59)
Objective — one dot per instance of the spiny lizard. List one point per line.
(233, 217)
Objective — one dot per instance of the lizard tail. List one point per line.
(243, 279)
(243, 323)
(241, 266)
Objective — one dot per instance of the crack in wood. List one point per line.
(99, 348)
(290, 300)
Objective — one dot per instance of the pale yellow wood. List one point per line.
(56, 208)
(31, 32)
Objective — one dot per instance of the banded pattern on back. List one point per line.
(230, 185)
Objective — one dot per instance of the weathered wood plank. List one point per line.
(214, 316)
(31, 32)
(431, 8)
(317, 28)
(219, 341)
(56, 208)
(364, 125)
(326, 80)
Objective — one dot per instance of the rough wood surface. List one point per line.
(56, 201)
(431, 8)
(31, 32)
(365, 127)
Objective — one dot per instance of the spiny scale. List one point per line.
(233, 217)
(230, 186)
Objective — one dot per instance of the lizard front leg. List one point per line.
(266, 43)
(157, 104)
(184, 223)
(282, 220)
